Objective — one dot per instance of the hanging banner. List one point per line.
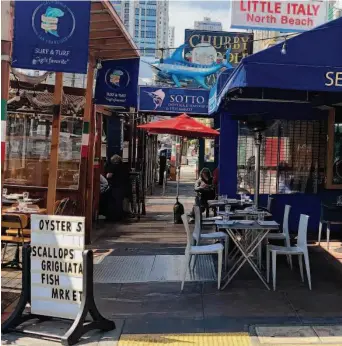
(208, 47)
(117, 83)
(295, 16)
(173, 100)
(51, 35)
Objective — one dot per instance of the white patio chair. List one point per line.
(200, 250)
(197, 236)
(301, 249)
(284, 235)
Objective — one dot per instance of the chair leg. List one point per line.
(307, 266)
(328, 235)
(195, 260)
(226, 244)
(4, 253)
(320, 232)
(274, 269)
(219, 270)
(268, 264)
(259, 255)
(289, 258)
(300, 260)
(186, 264)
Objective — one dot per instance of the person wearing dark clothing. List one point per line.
(104, 196)
(204, 187)
(118, 179)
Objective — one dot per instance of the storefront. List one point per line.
(295, 99)
(54, 157)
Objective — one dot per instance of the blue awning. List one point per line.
(313, 62)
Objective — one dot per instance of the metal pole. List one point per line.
(258, 140)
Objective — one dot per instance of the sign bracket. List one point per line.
(79, 326)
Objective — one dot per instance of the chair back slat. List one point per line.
(286, 224)
(197, 229)
(331, 213)
(269, 203)
(18, 221)
(302, 230)
(187, 230)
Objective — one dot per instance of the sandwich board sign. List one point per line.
(57, 244)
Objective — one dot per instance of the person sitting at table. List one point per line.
(205, 191)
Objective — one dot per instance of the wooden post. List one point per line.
(97, 162)
(6, 49)
(85, 153)
(90, 180)
(56, 125)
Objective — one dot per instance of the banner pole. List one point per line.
(56, 125)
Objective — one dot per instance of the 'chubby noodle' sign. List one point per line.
(57, 243)
(278, 15)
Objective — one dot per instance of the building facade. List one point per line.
(207, 24)
(171, 42)
(147, 22)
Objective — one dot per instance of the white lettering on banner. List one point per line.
(282, 15)
(57, 243)
(333, 79)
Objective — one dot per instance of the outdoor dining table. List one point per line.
(218, 203)
(246, 235)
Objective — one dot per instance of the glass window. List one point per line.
(292, 158)
(28, 150)
(209, 150)
(334, 159)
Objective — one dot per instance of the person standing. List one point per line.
(118, 178)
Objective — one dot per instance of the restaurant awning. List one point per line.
(108, 37)
(313, 62)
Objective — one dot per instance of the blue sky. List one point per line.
(183, 14)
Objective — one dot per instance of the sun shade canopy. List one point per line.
(183, 125)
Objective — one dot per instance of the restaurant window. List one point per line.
(292, 159)
(334, 157)
(28, 145)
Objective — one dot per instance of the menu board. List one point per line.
(57, 244)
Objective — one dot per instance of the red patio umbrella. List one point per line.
(183, 126)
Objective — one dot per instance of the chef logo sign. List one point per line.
(57, 243)
(278, 15)
(53, 23)
(50, 35)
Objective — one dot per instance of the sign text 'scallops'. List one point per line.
(57, 243)
(278, 15)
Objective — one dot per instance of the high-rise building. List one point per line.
(147, 22)
(171, 37)
(207, 24)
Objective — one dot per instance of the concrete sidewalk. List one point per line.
(245, 313)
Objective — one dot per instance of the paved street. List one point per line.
(155, 312)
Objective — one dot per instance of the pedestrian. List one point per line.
(118, 178)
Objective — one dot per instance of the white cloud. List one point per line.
(183, 14)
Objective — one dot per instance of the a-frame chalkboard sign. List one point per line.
(80, 326)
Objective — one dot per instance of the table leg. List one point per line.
(246, 257)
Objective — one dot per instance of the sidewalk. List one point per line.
(137, 285)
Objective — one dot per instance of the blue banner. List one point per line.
(117, 83)
(51, 35)
(173, 100)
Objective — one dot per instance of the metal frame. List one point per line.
(79, 327)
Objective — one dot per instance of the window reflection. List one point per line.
(28, 145)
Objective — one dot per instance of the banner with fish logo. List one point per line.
(117, 83)
(156, 99)
(51, 35)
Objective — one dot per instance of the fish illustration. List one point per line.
(158, 97)
(115, 77)
(50, 20)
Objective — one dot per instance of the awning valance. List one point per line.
(313, 62)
